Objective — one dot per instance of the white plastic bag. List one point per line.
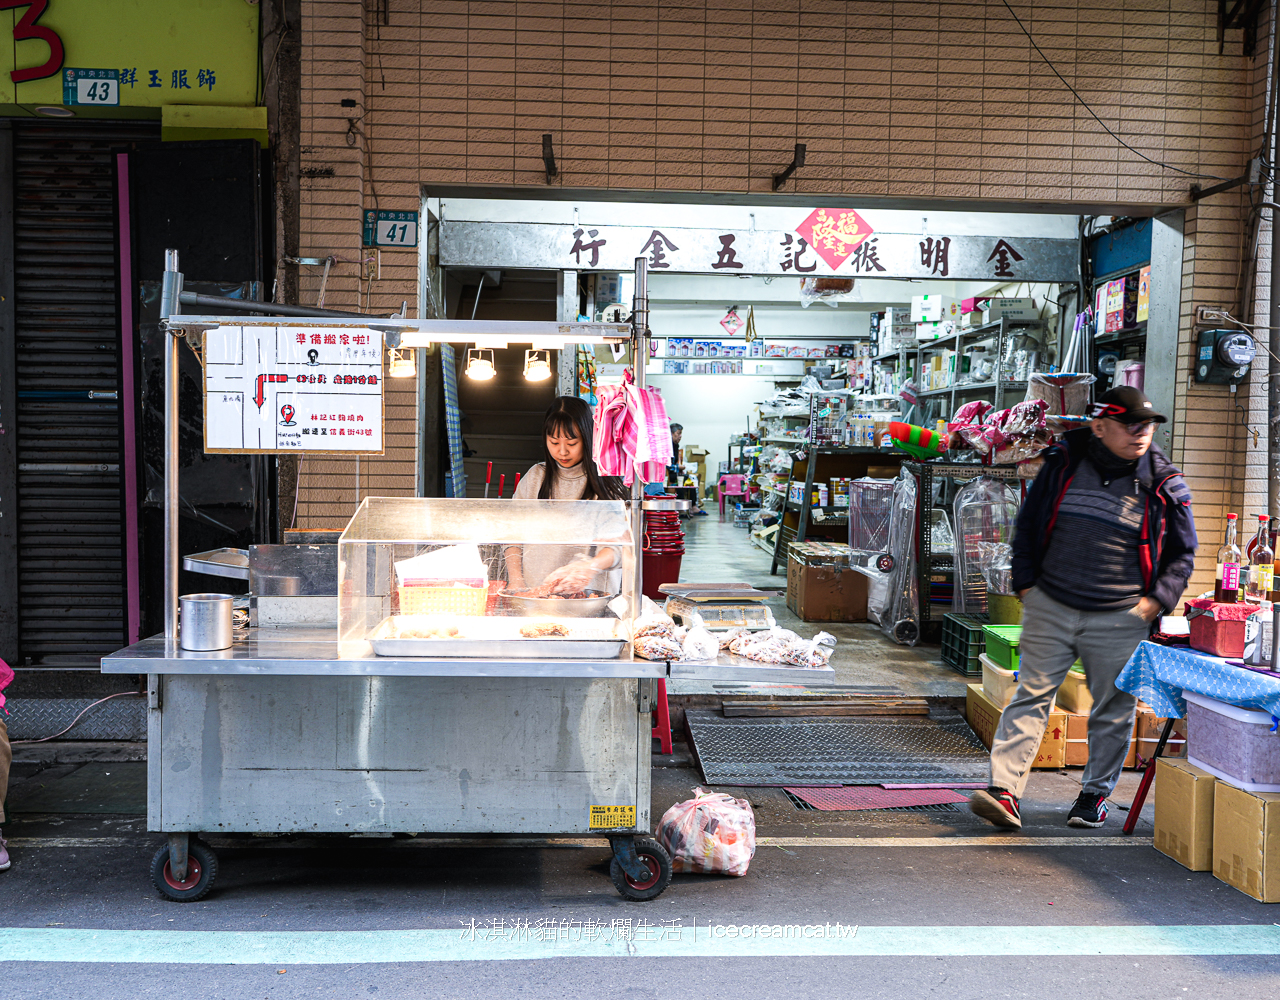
(712, 833)
(700, 644)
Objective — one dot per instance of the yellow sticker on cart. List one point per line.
(611, 817)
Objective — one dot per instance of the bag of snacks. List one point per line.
(712, 833)
(780, 645)
(657, 647)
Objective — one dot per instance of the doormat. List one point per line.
(809, 752)
(852, 797)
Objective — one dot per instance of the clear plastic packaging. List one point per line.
(700, 644)
(900, 619)
(780, 645)
(711, 833)
(985, 512)
(828, 290)
(1062, 392)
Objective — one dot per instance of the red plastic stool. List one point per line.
(662, 729)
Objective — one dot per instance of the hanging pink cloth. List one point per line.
(6, 675)
(631, 432)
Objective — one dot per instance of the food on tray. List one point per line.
(426, 628)
(541, 630)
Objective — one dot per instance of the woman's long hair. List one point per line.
(569, 416)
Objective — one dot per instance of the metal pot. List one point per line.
(205, 623)
(560, 607)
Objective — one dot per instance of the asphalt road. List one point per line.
(1023, 915)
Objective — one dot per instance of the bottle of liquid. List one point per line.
(1261, 565)
(1226, 588)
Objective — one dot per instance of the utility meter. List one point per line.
(1223, 356)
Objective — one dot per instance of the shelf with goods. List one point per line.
(819, 463)
(1008, 359)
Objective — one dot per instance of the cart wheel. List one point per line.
(202, 869)
(655, 857)
(906, 631)
(884, 562)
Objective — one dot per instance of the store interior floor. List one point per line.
(865, 659)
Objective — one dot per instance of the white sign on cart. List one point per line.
(293, 388)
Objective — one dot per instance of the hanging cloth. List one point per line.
(631, 433)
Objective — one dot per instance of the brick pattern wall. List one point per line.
(924, 100)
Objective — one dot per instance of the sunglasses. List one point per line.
(1138, 429)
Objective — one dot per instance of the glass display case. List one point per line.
(422, 576)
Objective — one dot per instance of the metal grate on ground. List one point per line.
(860, 797)
(835, 751)
(940, 807)
(37, 718)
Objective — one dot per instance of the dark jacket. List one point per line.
(1167, 544)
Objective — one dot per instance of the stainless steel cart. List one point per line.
(299, 728)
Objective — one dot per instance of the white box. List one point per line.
(1024, 308)
(930, 308)
(933, 331)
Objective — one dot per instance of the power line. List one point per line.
(1083, 104)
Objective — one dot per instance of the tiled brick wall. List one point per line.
(932, 101)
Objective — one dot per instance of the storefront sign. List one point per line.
(156, 51)
(826, 242)
(293, 388)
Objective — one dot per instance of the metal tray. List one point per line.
(231, 563)
(552, 647)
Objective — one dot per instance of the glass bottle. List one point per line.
(1226, 587)
(1261, 564)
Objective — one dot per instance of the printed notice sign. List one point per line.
(293, 388)
(611, 817)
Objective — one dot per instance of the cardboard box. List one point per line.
(823, 588)
(983, 716)
(930, 308)
(1147, 727)
(1184, 797)
(1246, 840)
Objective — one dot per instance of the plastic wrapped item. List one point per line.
(828, 290)
(971, 413)
(657, 647)
(1062, 392)
(700, 644)
(995, 563)
(711, 833)
(870, 501)
(780, 645)
(653, 622)
(985, 512)
(900, 617)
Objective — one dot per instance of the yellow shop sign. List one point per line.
(129, 53)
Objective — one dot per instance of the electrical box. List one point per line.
(1223, 356)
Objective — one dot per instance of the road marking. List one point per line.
(284, 948)
(281, 843)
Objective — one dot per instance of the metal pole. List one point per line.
(169, 292)
(1273, 335)
(639, 359)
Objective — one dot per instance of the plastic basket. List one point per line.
(1002, 644)
(962, 642)
(456, 600)
(870, 501)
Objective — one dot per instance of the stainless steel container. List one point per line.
(205, 623)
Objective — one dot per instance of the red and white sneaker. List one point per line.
(996, 806)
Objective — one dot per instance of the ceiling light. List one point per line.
(537, 365)
(55, 111)
(401, 363)
(480, 367)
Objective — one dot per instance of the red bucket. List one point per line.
(660, 567)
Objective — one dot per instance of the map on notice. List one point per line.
(293, 388)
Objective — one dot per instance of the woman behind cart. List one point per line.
(567, 472)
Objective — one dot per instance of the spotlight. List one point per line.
(537, 365)
(480, 367)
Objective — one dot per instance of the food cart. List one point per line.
(427, 700)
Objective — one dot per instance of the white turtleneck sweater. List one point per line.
(539, 560)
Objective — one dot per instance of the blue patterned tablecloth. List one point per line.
(1159, 674)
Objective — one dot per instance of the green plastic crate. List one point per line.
(1002, 644)
(962, 641)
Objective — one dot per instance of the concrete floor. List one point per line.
(865, 659)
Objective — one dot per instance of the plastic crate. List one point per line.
(1002, 644)
(963, 641)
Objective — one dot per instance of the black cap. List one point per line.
(1127, 405)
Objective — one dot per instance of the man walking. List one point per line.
(1104, 544)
